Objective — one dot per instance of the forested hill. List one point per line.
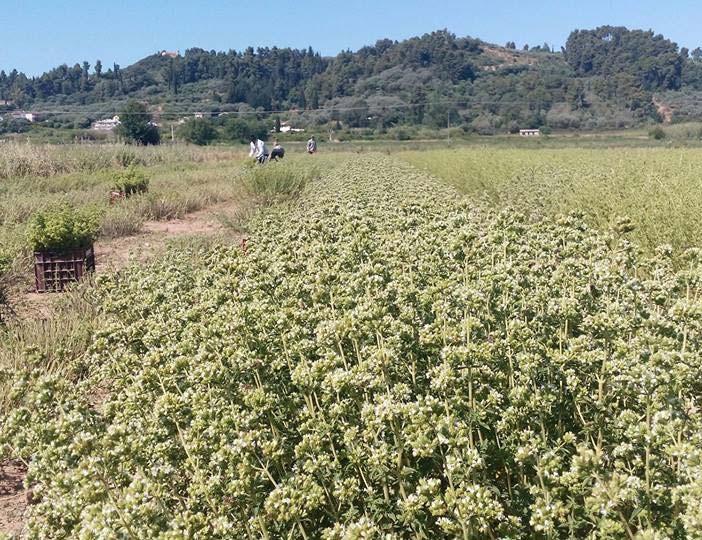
(605, 77)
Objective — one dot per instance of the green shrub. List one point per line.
(657, 133)
(278, 180)
(125, 158)
(402, 133)
(136, 126)
(131, 182)
(63, 228)
(198, 131)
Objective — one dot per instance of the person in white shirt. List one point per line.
(258, 149)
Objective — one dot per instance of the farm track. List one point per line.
(111, 256)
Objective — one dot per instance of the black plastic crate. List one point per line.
(54, 270)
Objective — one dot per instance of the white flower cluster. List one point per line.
(387, 361)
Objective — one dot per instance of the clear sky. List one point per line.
(39, 34)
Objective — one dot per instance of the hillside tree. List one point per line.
(136, 126)
(198, 131)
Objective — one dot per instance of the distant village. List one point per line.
(110, 124)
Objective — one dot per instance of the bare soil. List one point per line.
(117, 253)
(13, 497)
(507, 57)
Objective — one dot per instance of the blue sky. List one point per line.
(40, 34)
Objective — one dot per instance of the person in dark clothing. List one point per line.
(278, 151)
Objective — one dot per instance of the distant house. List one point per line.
(169, 54)
(285, 127)
(24, 115)
(530, 132)
(106, 125)
(199, 115)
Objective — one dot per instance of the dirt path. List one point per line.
(13, 497)
(119, 252)
(110, 255)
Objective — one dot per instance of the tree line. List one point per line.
(425, 80)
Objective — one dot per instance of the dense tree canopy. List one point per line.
(603, 77)
(653, 61)
(265, 77)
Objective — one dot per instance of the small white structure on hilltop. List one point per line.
(169, 54)
(530, 132)
(106, 125)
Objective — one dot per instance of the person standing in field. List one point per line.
(311, 146)
(258, 149)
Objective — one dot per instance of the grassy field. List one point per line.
(34, 178)
(657, 189)
(19, 160)
(389, 359)
(181, 181)
(417, 343)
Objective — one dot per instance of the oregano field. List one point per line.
(387, 359)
